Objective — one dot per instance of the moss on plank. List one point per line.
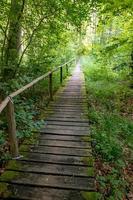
(87, 138)
(90, 171)
(89, 161)
(90, 195)
(4, 192)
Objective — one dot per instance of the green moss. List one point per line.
(90, 171)
(13, 164)
(87, 138)
(8, 175)
(89, 160)
(24, 147)
(90, 195)
(4, 192)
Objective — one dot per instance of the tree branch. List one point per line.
(30, 40)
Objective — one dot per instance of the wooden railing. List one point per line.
(8, 103)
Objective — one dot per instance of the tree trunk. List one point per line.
(12, 49)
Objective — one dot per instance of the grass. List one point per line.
(110, 115)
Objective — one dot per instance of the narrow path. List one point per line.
(60, 167)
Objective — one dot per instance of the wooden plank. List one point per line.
(60, 160)
(53, 169)
(65, 127)
(67, 120)
(54, 181)
(57, 137)
(61, 151)
(24, 192)
(66, 132)
(67, 111)
(68, 144)
(68, 123)
(38, 152)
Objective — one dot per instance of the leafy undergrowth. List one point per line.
(28, 110)
(110, 114)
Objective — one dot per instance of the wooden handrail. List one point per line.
(4, 104)
(29, 85)
(7, 102)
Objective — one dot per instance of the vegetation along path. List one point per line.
(60, 166)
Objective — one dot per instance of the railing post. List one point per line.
(12, 129)
(67, 69)
(50, 86)
(61, 75)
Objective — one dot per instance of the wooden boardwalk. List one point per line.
(60, 167)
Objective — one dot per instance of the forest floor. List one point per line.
(110, 104)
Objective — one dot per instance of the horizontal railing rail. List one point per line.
(8, 103)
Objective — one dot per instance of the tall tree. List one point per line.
(13, 39)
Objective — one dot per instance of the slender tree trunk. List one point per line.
(12, 48)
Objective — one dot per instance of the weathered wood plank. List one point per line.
(61, 151)
(66, 127)
(54, 169)
(24, 192)
(67, 138)
(54, 181)
(78, 144)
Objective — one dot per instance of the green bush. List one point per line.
(112, 132)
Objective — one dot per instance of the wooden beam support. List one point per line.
(61, 75)
(51, 86)
(12, 129)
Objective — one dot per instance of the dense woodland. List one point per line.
(35, 37)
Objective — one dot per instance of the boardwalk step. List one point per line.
(61, 151)
(65, 123)
(54, 169)
(59, 137)
(65, 127)
(53, 181)
(61, 115)
(69, 144)
(65, 132)
(24, 192)
(58, 119)
(59, 159)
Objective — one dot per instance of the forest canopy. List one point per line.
(37, 34)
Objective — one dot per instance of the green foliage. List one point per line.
(108, 68)
(108, 91)
(2, 139)
(36, 36)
